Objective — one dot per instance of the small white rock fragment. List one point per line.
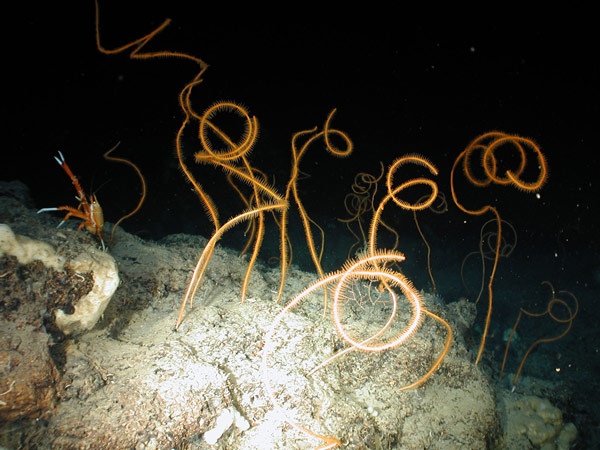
(227, 418)
(224, 421)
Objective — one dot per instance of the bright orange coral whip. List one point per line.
(489, 145)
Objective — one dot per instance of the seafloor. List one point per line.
(134, 382)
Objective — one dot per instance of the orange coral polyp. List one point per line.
(233, 151)
(393, 279)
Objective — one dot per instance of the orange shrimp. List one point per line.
(88, 211)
